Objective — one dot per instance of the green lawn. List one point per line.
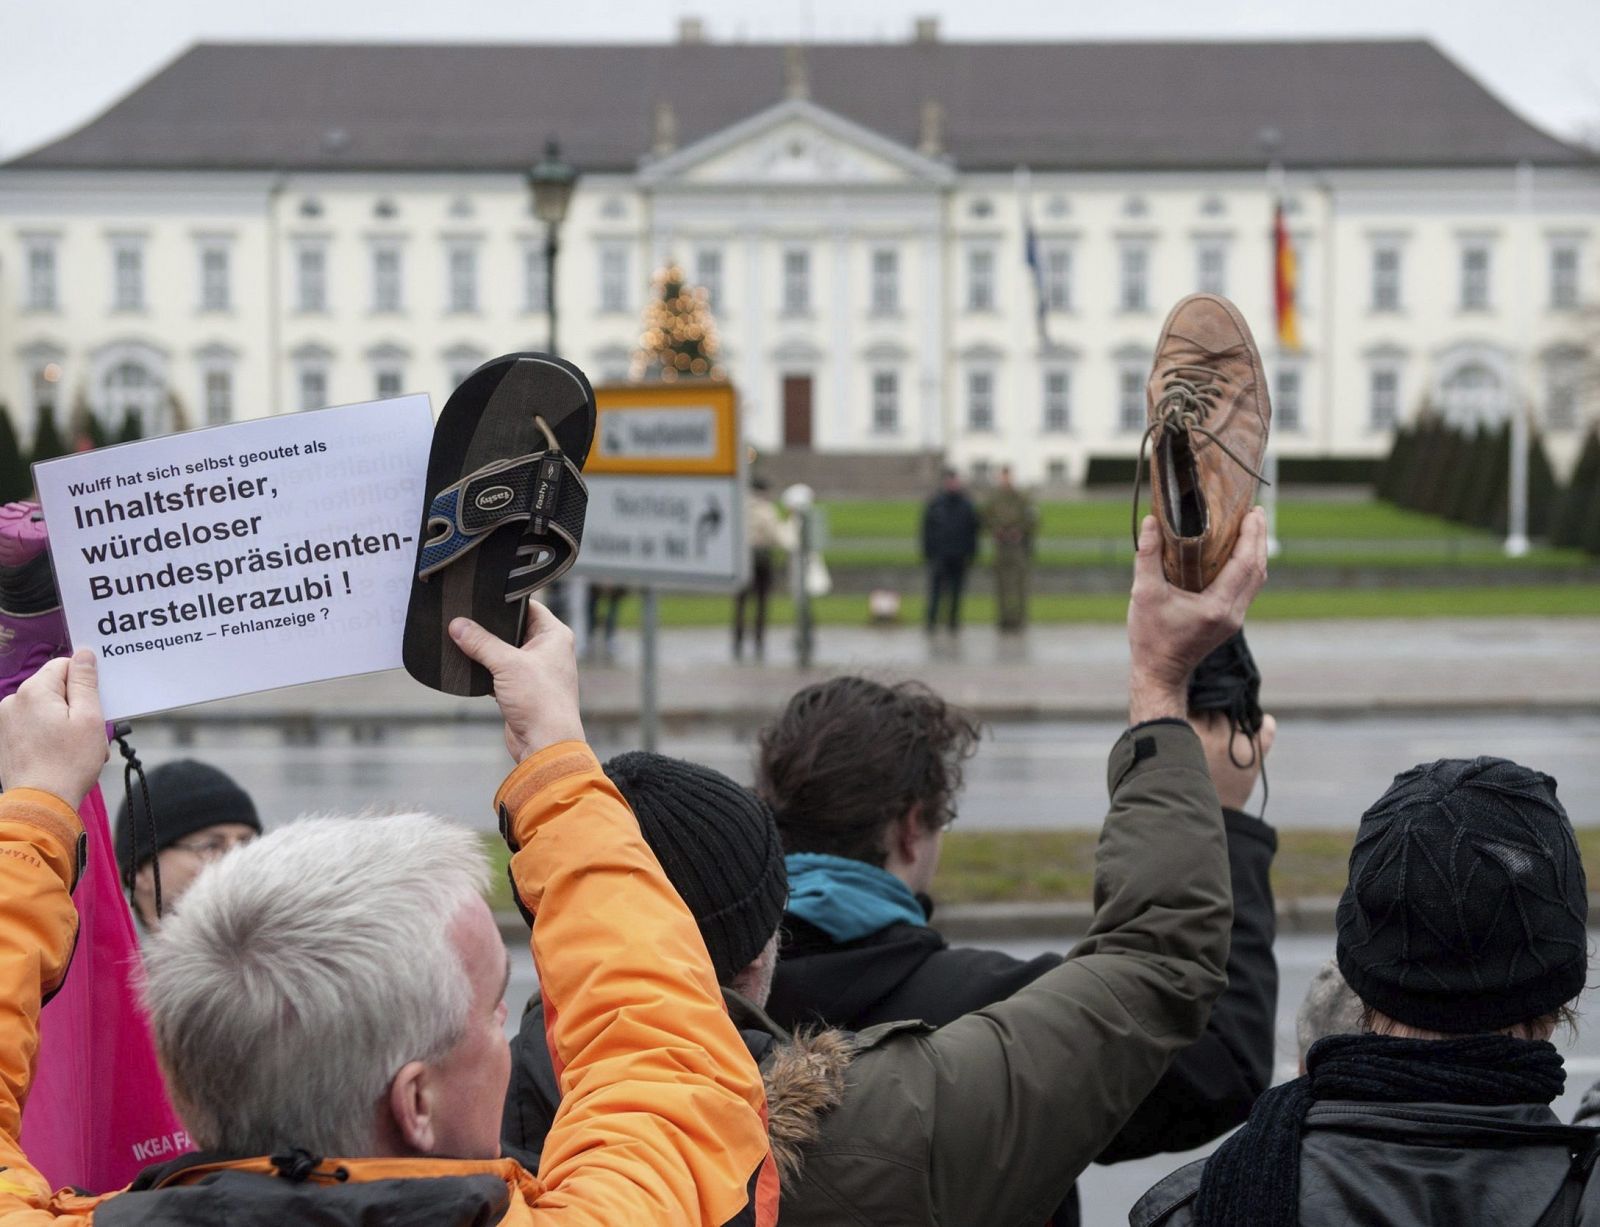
(1504, 601)
(1099, 518)
(1058, 866)
(1314, 533)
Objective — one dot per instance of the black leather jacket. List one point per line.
(1409, 1164)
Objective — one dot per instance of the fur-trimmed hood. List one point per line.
(804, 1078)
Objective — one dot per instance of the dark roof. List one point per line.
(1131, 105)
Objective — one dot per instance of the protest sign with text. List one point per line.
(240, 558)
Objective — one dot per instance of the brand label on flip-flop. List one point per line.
(494, 498)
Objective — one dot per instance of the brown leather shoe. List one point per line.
(1208, 418)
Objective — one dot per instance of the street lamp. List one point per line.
(551, 181)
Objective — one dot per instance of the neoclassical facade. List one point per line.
(224, 245)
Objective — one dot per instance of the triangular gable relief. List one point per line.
(797, 142)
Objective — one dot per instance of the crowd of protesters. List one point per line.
(744, 1013)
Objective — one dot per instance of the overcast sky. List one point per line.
(61, 61)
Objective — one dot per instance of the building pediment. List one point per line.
(796, 142)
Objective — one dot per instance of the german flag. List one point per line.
(1285, 282)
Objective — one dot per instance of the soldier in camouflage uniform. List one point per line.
(1011, 519)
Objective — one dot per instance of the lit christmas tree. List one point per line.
(679, 340)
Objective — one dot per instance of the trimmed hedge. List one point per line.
(1292, 470)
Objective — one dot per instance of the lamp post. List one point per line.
(551, 181)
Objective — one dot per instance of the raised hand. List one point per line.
(1170, 631)
(52, 736)
(535, 685)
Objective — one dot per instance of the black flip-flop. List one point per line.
(503, 511)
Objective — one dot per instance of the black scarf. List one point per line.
(1254, 1178)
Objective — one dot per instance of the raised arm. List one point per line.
(52, 744)
(1212, 1084)
(661, 1113)
(1039, 1083)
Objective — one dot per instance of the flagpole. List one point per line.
(1516, 545)
(1268, 491)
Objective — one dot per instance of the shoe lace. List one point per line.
(1188, 396)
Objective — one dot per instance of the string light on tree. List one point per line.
(679, 337)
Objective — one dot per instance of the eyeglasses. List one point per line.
(212, 846)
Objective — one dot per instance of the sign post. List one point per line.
(666, 504)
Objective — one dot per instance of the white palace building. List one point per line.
(265, 228)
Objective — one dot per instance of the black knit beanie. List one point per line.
(187, 796)
(719, 846)
(1467, 905)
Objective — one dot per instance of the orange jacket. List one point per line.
(662, 1116)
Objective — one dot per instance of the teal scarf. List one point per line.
(848, 899)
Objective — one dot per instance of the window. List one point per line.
(885, 402)
(1133, 285)
(885, 281)
(1211, 267)
(1131, 410)
(1057, 402)
(708, 275)
(980, 401)
(219, 397)
(980, 279)
(386, 277)
(389, 383)
(1058, 278)
(462, 260)
(1286, 400)
(41, 275)
(1473, 394)
(1386, 277)
(132, 388)
(796, 281)
(1475, 277)
(1561, 381)
(313, 387)
(1383, 398)
(1564, 276)
(216, 294)
(46, 393)
(127, 293)
(613, 277)
(461, 362)
(311, 272)
(535, 279)
(1055, 472)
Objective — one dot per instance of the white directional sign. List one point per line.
(666, 489)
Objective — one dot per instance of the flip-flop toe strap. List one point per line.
(524, 489)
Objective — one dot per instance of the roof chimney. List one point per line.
(796, 81)
(930, 136)
(666, 133)
(925, 30)
(691, 30)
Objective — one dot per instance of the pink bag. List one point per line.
(98, 1111)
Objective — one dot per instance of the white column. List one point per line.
(842, 427)
(755, 381)
(930, 358)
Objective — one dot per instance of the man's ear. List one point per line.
(411, 1107)
(906, 834)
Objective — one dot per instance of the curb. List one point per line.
(1312, 916)
(305, 725)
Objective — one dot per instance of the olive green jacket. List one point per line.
(987, 1122)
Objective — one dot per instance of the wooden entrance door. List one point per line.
(797, 411)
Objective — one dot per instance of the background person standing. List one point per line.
(768, 533)
(949, 544)
(1012, 520)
